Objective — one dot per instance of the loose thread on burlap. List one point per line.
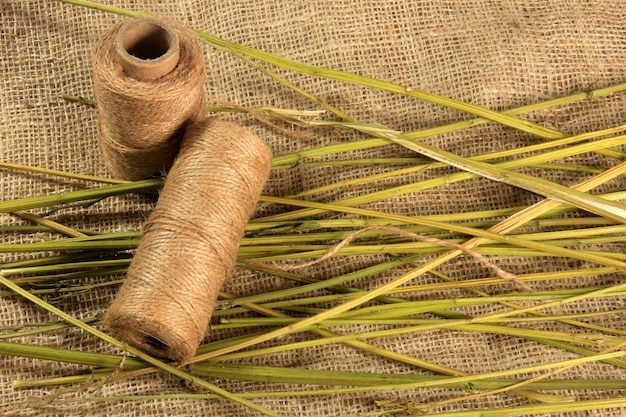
(189, 244)
(414, 236)
(148, 84)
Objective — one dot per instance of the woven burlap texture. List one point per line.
(494, 54)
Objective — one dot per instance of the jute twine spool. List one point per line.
(189, 243)
(148, 84)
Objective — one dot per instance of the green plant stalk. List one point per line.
(590, 294)
(578, 233)
(68, 245)
(63, 174)
(263, 374)
(395, 191)
(52, 225)
(26, 248)
(457, 325)
(408, 308)
(66, 291)
(133, 351)
(299, 90)
(311, 322)
(409, 160)
(257, 395)
(7, 272)
(106, 8)
(501, 172)
(528, 278)
(601, 207)
(306, 376)
(379, 84)
(503, 227)
(309, 225)
(487, 376)
(482, 234)
(51, 260)
(505, 119)
(318, 285)
(52, 279)
(302, 252)
(359, 344)
(290, 160)
(285, 252)
(98, 360)
(363, 346)
(542, 409)
(539, 315)
(224, 310)
(352, 303)
(418, 168)
(581, 234)
(398, 307)
(28, 203)
(566, 406)
(287, 376)
(488, 157)
(407, 319)
(106, 362)
(578, 350)
(44, 329)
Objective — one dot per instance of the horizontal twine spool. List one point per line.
(148, 85)
(189, 244)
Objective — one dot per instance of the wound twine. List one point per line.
(189, 244)
(148, 84)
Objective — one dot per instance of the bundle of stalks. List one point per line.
(401, 278)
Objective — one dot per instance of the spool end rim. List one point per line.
(147, 48)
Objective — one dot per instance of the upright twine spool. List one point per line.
(148, 84)
(189, 244)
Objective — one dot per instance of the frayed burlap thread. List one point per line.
(141, 121)
(189, 244)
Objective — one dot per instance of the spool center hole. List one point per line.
(154, 342)
(147, 41)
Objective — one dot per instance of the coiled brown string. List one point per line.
(189, 243)
(148, 84)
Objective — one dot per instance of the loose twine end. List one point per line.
(414, 236)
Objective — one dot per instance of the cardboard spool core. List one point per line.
(148, 49)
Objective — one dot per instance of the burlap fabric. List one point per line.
(497, 55)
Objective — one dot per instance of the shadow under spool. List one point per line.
(189, 244)
(148, 84)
